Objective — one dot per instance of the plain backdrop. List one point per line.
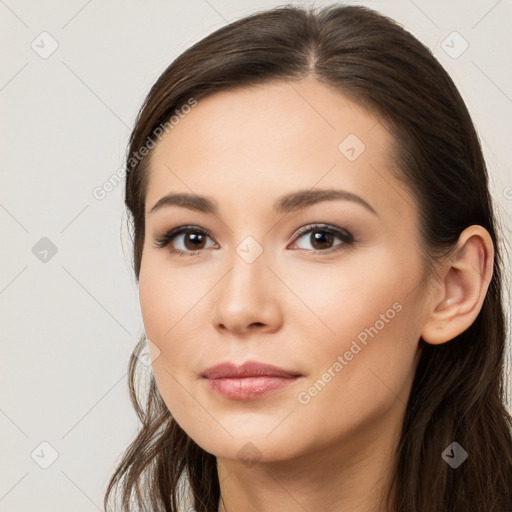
(73, 76)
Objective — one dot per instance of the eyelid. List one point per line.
(171, 234)
(321, 227)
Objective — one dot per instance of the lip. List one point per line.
(248, 369)
(249, 381)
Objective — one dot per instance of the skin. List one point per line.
(290, 307)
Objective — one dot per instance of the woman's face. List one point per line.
(339, 304)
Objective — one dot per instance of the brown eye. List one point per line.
(321, 238)
(189, 239)
(193, 241)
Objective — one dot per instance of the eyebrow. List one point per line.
(293, 201)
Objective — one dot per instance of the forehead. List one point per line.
(266, 140)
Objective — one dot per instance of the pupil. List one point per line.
(195, 238)
(321, 236)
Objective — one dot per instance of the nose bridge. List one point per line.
(248, 274)
(244, 295)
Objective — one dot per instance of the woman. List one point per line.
(319, 276)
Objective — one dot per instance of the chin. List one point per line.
(249, 447)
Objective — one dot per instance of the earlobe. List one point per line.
(458, 295)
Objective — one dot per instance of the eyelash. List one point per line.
(344, 235)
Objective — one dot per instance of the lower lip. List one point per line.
(248, 388)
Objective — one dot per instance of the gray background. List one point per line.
(69, 323)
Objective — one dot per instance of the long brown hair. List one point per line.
(458, 391)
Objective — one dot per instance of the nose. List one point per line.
(247, 298)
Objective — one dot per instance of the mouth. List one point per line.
(248, 381)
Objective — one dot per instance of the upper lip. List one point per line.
(248, 369)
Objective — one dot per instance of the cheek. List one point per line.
(171, 357)
(338, 301)
(355, 384)
(362, 344)
(152, 296)
(165, 298)
(170, 305)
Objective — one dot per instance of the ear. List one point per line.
(460, 289)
